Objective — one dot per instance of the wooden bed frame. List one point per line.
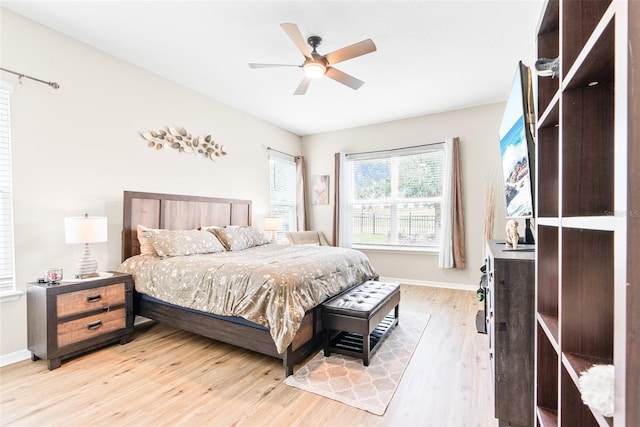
(179, 212)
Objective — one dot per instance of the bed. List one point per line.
(239, 325)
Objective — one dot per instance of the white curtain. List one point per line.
(445, 256)
(344, 220)
(301, 194)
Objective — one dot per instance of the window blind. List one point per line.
(7, 282)
(282, 186)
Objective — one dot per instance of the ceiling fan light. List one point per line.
(314, 69)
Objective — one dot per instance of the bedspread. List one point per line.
(272, 285)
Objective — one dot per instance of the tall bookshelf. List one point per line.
(587, 209)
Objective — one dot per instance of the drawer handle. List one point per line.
(94, 325)
(94, 298)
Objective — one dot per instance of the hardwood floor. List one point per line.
(168, 377)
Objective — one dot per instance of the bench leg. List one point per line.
(366, 349)
(327, 337)
(397, 313)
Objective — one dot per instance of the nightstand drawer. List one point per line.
(90, 326)
(90, 299)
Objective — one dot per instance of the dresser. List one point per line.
(74, 317)
(510, 326)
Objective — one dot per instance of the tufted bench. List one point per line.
(362, 315)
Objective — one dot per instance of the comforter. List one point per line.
(271, 285)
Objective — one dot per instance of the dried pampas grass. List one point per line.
(489, 210)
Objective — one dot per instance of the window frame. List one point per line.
(394, 198)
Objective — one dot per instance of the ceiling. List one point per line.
(431, 56)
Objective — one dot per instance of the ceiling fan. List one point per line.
(316, 65)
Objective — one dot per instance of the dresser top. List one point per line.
(500, 250)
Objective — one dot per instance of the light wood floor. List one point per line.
(168, 377)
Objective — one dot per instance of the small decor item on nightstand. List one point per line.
(86, 229)
(512, 233)
(53, 276)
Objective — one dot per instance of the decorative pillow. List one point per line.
(183, 242)
(239, 238)
(209, 228)
(258, 236)
(146, 248)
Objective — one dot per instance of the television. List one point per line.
(517, 150)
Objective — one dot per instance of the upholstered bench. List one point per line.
(362, 316)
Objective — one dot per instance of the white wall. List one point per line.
(76, 149)
(477, 129)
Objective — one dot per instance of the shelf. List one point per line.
(579, 20)
(550, 117)
(547, 417)
(572, 411)
(606, 223)
(549, 222)
(548, 171)
(549, 325)
(550, 18)
(548, 47)
(596, 61)
(547, 269)
(587, 293)
(587, 151)
(575, 365)
(547, 378)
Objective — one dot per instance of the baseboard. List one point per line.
(15, 357)
(461, 286)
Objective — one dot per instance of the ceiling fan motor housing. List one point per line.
(314, 42)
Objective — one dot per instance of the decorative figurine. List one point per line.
(512, 233)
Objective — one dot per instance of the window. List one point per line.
(396, 197)
(282, 190)
(7, 271)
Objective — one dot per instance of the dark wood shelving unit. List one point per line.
(588, 186)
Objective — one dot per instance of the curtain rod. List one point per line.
(395, 149)
(20, 76)
(281, 152)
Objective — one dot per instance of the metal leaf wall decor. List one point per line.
(179, 139)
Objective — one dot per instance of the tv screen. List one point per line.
(516, 146)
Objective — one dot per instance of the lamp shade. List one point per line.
(272, 224)
(85, 229)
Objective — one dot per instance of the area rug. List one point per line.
(371, 388)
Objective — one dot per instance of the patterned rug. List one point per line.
(371, 388)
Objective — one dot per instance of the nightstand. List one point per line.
(74, 317)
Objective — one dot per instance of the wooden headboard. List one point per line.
(177, 212)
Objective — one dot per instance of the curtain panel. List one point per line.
(342, 220)
(452, 246)
(301, 194)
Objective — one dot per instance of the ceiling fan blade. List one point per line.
(352, 51)
(296, 36)
(302, 87)
(344, 78)
(253, 65)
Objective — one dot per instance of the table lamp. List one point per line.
(272, 224)
(86, 229)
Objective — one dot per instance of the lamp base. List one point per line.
(87, 265)
(87, 276)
